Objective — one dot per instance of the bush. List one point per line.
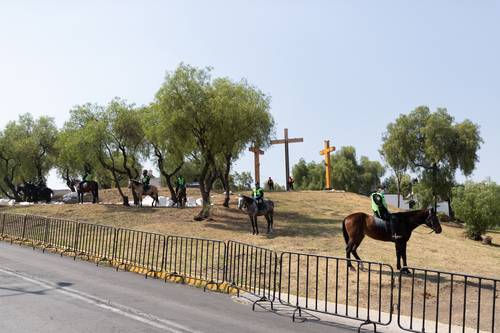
(478, 204)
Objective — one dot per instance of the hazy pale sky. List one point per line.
(338, 70)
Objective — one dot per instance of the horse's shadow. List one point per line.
(295, 225)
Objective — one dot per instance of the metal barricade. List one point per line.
(435, 301)
(327, 285)
(95, 241)
(252, 269)
(36, 228)
(140, 249)
(62, 235)
(14, 227)
(196, 258)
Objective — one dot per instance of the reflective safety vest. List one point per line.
(258, 193)
(378, 198)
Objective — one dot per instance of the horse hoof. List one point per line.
(405, 271)
(352, 269)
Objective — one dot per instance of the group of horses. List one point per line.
(356, 226)
(35, 192)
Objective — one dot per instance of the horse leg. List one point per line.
(398, 255)
(253, 225)
(403, 255)
(256, 225)
(348, 250)
(268, 219)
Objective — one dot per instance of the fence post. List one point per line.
(24, 227)
(3, 224)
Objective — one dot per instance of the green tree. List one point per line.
(405, 184)
(243, 113)
(219, 117)
(434, 146)
(165, 142)
(370, 173)
(186, 94)
(478, 205)
(345, 175)
(113, 135)
(243, 181)
(26, 152)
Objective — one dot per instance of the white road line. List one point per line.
(147, 318)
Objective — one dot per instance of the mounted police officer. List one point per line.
(146, 178)
(258, 195)
(180, 183)
(379, 207)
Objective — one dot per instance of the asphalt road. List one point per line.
(41, 292)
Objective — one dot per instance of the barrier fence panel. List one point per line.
(252, 269)
(141, 249)
(94, 240)
(435, 301)
(195, 258)
(61, 234)
(327, 285)
(14, 226)
(36, 228)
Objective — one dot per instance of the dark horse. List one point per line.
(250, 207)
(86, 187)
(181, 197)
(357, 225)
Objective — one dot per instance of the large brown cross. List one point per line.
(286, 141)
(256, 158)
(327, 152)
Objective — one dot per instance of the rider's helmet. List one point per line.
(257, 185)
(145, 172)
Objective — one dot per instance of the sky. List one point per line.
(336, 70)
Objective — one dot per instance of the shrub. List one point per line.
(478, 204)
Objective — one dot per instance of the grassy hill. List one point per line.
(305, 221)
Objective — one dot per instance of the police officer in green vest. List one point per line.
(180, 183)
(379, 207)
(258, 195)
(146, 178)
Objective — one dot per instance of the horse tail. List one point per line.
(344, 232)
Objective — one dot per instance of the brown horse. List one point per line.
(86, 187)
(357, 225)
(138, 188)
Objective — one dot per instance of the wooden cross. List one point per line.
(327, 152)
(256, 158)
(286, 141)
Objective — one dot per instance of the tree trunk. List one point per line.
(207, 178)
(450, 210)
(12, 188)
(160, 160)
(225, 180)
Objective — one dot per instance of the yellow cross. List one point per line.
(327, 152)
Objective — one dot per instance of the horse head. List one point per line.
(432, 221)
(130, 183)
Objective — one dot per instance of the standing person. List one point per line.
(290, 183)
(379, 207)
(270, 184)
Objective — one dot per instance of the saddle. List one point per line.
(382, 224)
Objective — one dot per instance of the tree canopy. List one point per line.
(434, 146)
